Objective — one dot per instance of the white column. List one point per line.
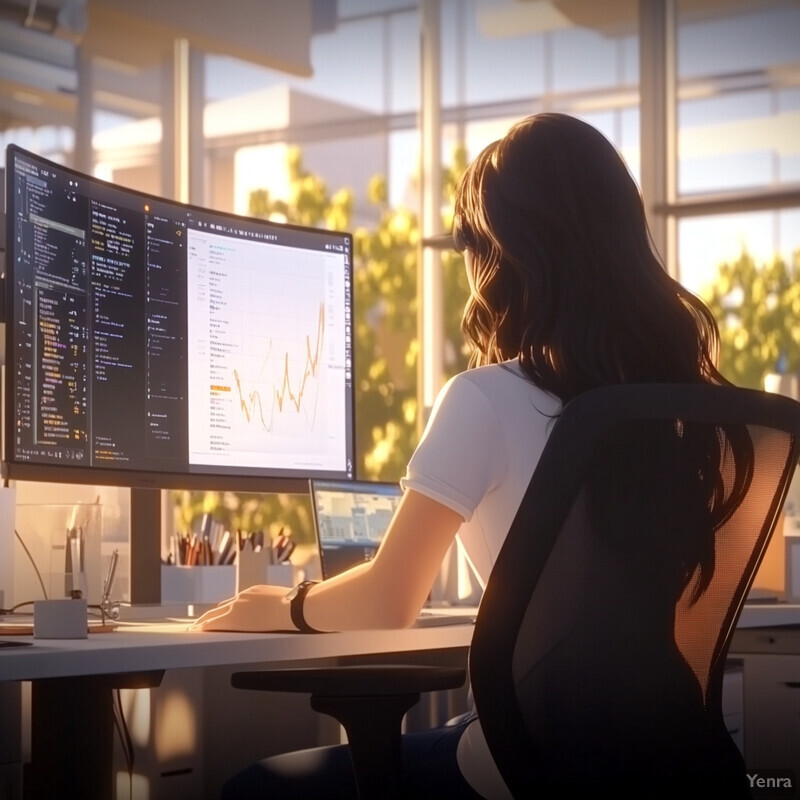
(83, 157)
(658, 122)
(183, 154)
(430, 325)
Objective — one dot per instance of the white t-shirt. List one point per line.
(483, 440)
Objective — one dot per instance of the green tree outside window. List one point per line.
(758, 311)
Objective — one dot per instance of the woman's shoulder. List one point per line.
(501, 391)
(505, 377)
(491, 373)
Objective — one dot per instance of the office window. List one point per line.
(225, 76)
(788, 103)
(502, 58)
(706, 242)
(403, 174)
(738, 110)
(55, 142)
(584, 59)
(736, 38)
(629, 59)
(402, 37)
(350, 163)
(479, 134)
(345, 163)
(348, 69)
(349, 65)
(452, 53)
(737, 141)
(355, 8)
(628, 139)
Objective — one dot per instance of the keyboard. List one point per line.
(434, 619)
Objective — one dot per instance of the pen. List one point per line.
(287, 551)
(112, 569)
(226, 551)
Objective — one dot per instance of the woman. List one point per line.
(566, 295)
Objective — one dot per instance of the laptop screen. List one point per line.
(350, 519)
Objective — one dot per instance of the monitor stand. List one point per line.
(145, 546)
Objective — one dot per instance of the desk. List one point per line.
(770, 663)
(170, 646)
(72, 720)
(769, 615)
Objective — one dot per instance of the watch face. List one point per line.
(299, 588)
(293, 593)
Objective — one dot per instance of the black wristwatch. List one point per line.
(296, 599)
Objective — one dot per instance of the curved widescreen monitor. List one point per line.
(155, 344)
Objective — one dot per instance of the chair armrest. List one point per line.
(359, 680)
(369, 700)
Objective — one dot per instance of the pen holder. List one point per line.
(255, 568)
(197, 584)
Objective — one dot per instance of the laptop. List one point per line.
(350, 520)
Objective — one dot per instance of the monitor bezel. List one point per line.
(270, 481)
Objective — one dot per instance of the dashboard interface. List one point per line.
(159, 344)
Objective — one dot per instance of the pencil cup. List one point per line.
(197, 584)
(256, 568)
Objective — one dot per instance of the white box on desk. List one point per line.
(197, 584)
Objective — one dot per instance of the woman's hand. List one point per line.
(381, 594)
(256, 609)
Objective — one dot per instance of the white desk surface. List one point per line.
(766, 615)
(171, 646)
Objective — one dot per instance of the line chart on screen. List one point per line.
(266, 373)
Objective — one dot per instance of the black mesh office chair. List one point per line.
(599, 648)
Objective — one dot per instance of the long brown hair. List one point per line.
(564, 278)
(563, 271)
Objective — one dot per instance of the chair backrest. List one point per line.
(600, 644)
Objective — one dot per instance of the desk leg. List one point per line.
(72, 735)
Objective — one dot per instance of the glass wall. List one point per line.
(738, 113)
(356, 116)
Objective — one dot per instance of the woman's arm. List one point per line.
(390, 590)
(387, 592)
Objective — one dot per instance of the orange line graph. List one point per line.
(250, 403)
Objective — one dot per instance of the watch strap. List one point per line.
(296, 600)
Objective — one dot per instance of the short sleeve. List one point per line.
(461, 454)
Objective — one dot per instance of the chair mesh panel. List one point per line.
(616, 670)
(701, 628)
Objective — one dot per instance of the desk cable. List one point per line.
(125, 739)
(13, 609)
(33, 562)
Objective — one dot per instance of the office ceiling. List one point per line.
(615, 17)
(502, 18)
(41, 42)
(129, 41)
